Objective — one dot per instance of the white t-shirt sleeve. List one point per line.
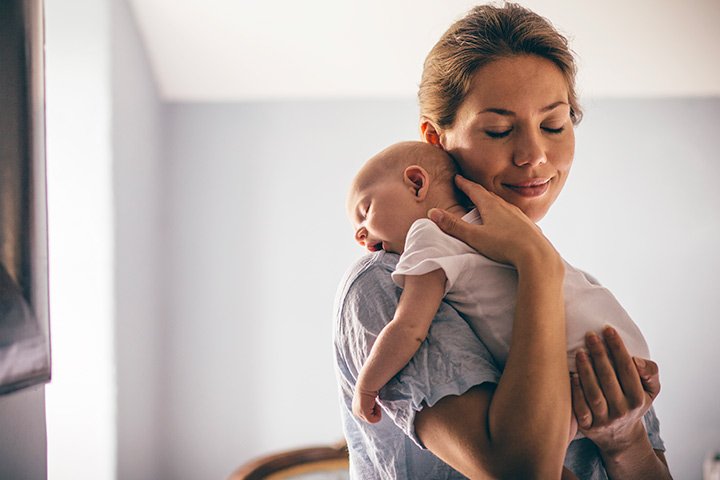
(427, 248)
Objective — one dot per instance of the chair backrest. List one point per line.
(313, 462)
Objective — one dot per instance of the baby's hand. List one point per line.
(365, 407)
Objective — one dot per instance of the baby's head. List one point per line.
(396, 187)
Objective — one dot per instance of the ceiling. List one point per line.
(248, 50)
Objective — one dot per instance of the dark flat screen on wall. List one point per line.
(24, 310)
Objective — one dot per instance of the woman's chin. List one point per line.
(534, 208)
(535, 214)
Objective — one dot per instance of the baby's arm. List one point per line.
(399, 340)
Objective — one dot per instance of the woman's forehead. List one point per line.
(517, 83)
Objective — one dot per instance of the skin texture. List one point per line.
(514, 127)
(391, 191)
(383, 212)
(514, 137)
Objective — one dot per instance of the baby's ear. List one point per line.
(418, 180)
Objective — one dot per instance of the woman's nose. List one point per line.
(529, 150)
(361, 235)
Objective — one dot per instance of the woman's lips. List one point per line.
(531, 188)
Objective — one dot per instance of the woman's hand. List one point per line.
(610, 393)
(506, 234)
(611, 390)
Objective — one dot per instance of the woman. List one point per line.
(497, 93)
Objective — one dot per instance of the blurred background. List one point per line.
(198, 158)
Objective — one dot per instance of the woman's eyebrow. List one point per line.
(510, 113)
(553, 106)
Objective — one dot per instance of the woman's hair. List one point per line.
(487, 33)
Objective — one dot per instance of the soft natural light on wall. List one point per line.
(201, 49)
(80, 400)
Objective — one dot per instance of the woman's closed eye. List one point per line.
(553, 130)
(498, 133)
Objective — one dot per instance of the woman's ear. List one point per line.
(417, 179)
(430, 133)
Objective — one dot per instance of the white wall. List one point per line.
(376, 48)
(104, 141)
(137, 183)
(257, 244)
(81, 397)
(258, 240)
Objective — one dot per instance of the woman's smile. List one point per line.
(528, 164)
(531, 188)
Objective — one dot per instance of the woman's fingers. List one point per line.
(475, 192)
(606, 375)
(455, 226)
(581, 409)
(649, 376)
(591, 386)
(612, 383)
(625, 369)
(506, 235)
(608, 389)
(448, 223)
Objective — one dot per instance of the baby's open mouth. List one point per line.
(375, 247)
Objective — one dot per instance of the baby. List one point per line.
(388, 204)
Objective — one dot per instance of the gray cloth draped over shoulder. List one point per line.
(450, 361)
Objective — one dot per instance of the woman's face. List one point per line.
(513, 133)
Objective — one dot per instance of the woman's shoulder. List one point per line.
(367, 271)
(366, 294)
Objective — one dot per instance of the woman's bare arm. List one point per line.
(517, 428)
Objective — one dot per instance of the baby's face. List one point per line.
(382, 214)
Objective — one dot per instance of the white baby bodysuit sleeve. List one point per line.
(427, 248)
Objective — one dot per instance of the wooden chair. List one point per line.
(330, 460)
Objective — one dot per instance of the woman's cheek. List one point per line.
(569, 147)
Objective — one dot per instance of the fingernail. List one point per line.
(592, 338)
(609, 331)
(435, 214)
(581, 356)
(575, 379)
